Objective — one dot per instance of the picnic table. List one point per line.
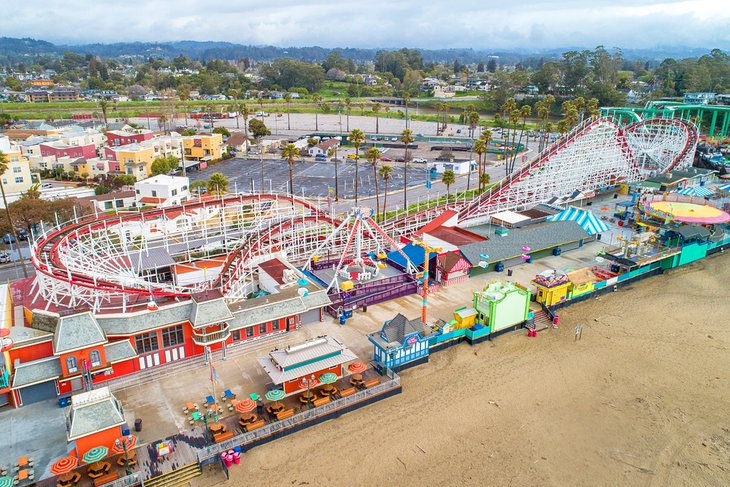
(356, 379)
(190, 406)
(307, 397)
(131, 455)
(216, 428)
(247, 418)
(98, 469)
(275, 407)
(328, 390)
(68, 479)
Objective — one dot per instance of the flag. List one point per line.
(213, 374)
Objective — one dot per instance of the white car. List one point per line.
(262, 114)
(46, 185)
(420, 159)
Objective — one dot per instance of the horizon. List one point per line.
(532, 25)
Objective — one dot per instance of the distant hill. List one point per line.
(15, 50)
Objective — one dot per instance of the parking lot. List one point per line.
(310, 178)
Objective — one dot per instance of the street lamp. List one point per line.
(123, 445)
(309, 398)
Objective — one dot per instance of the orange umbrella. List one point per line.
(130, 441)
(64, 465)
(245, 406)
(357, 367)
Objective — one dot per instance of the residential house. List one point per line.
(117, 138)
(323, 148)
(203, 147)
(115, 200)
(162, 190)
(18, 177)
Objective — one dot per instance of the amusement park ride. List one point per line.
(132, 261)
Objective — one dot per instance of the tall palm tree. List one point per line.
(332, 151)
(376, 111)
(4, 167)
(287, 99)
(290, 153)
(448, 178)
(217, 184)
(316, 99)
(473, 119)
(385, 171)
(162, 121)
(524, 112)
(406, 137)
(245, 113)
(103, 105)
(373, 154)
(484, 180)
(480, 148)
(348, 104)
(406, 99)
(357, 137)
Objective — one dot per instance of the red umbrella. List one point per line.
(64, 465)
(357, 367)
(245, 406)
(130, 441)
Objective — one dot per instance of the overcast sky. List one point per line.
(378, 23)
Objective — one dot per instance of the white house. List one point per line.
(322, 148)
(459, 166)
(162, 190)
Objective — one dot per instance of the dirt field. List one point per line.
(642, 399)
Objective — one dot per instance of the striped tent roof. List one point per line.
(696, 191)
(724, 187)
(585, 218)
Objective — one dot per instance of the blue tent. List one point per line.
(585, 218)
(415, 255)
(696, 191)
(724, 187)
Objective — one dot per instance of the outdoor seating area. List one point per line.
(23, 472)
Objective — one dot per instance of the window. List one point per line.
(262, 328)
(19, 179)
(154, 193)
(107, 205)
(72, 364)
(174, 192)
(184, 188)
(16, 169)
(275, 325)
(119, 203)
(147, 342)
(95, 358)
(249, 332)
(173, 336)
(236, 335)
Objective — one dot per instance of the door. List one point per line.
(38, 392)
(76, 384)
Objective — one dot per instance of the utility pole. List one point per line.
(426, 251)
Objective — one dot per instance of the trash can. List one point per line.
(236, 458)
(138, 425)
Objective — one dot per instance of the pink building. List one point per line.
(56, 149)
(115, 138)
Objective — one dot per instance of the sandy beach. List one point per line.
(642, 399)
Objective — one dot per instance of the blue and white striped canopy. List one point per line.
(585, 218)
(696, 191)
(724, 187)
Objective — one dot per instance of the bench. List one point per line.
(287, 413)
(220, 437)
(371, 383)
(321, 401)
(347, 392)
(105, 479)
(254, 425)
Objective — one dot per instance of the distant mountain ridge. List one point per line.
(16, 49)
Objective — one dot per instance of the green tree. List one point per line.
(104, 105)
(385, 172)
(199, 186)
(4, 167)
(473, 118)
(311, 141)
(484, 180)
(373, 154)
(290, 153)
(357, 137)
(407, 138)
(448, 178)
(223, 131)
(479, 148)
(218, 184)
(348, 104)
(376, 111)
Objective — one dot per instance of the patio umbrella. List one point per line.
(245, 406)
(130, 441)
(95, 454)
(328, 378)
(63, 465)
(6, 482)
(357, 367)
(275, 395)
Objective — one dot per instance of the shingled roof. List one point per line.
(92, 412)
(76, 332)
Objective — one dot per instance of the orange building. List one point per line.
(94, 419)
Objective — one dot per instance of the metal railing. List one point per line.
(300, 418)
(212, 337)
(127, 481)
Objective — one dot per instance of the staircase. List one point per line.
(541, 321)
(175, 478)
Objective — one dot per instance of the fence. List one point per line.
(300, 419)
(127, 481)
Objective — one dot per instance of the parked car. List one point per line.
(4, 257)
(320, 158)
(8, 238)
(458, 131)
(262, 114)
(386, 159)
(394, 139)
(351, 156)
(420, 159)
(46, 185)
(23, 234)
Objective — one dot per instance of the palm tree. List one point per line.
(448, 178)
(217, 184)
(385, 171)
(348, 104)
(480, 148)
(373, 154)
(245, 113)
(4, 167)
(332, 151)
(316, 99)
(376, 111)
(103, 104)
(287, 99)
(161, 122)
(406, 137)
(290, 153)
(473, 118)
(524, 112)
(406, 99)
(484, 180)
(357, 137)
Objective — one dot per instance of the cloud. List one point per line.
(378, 23)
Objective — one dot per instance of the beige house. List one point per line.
(18, 177)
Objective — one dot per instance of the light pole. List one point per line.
(123, 444)
(309, 398)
